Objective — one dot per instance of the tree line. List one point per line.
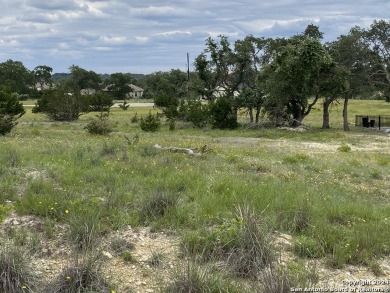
(278, 78)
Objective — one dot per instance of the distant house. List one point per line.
(40, 86)
(136, 92)
(88, 91)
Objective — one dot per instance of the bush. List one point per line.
(100, 102)
(223, 115)
(197, 113)
(10, 110)
(60, 105)
(168, 104)
(99, 126)
(150, 123)
(16, 275)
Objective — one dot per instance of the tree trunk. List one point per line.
(250, 111)
(325, 114)
(345, 112)
(258, 108)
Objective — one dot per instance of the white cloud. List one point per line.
(140, 36)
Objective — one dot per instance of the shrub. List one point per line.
(150, 123)
(100, 102)
(10, 110)
(60, 105)
(223, 115)
(99, 126)
(197, 113)
(16, 275)
(134, 119)
(344, 148)
(168, 103)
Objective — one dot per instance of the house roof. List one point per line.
(133, 87)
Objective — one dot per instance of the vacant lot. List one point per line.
(67, 197)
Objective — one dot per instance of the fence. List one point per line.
(372, 121)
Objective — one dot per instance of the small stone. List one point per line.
(107, 254)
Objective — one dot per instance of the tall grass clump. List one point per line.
(84, 276)
(16, 275)
(245, 243)
(84, 230)
(156, 206)
(191, 277)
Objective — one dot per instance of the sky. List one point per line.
(147, 36)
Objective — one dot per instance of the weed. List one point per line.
(253, 249)
(16, 275)
(344, 148)
(120, 245)
(156, 259)
(128, 256)
(190, 277)
(308, 247)
(83, 276)
(84, 229)
(156, 205)
(297, 158)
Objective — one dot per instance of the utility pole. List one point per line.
(188, 66)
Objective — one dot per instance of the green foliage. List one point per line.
(308, 247)
(155, 206)
(135, 118)
(244, 242)
(128, 256)
(16, 276)
(223, 115)
(100, 101)
(99, 126)
(168, 103)
(83, 276)
(59, 105)
(10, 110)
(190, 277)
(150, 123)
(344, 148)
(197, 113)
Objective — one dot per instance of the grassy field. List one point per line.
(328, 189)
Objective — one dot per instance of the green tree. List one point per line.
(60, 105)
(119, 85)
(83, 79)
(290, 80)
(42, 75)
(172, 83)
(10, 110)
(378, 39)
(352, 54)
(100, 101)
(15, 77)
